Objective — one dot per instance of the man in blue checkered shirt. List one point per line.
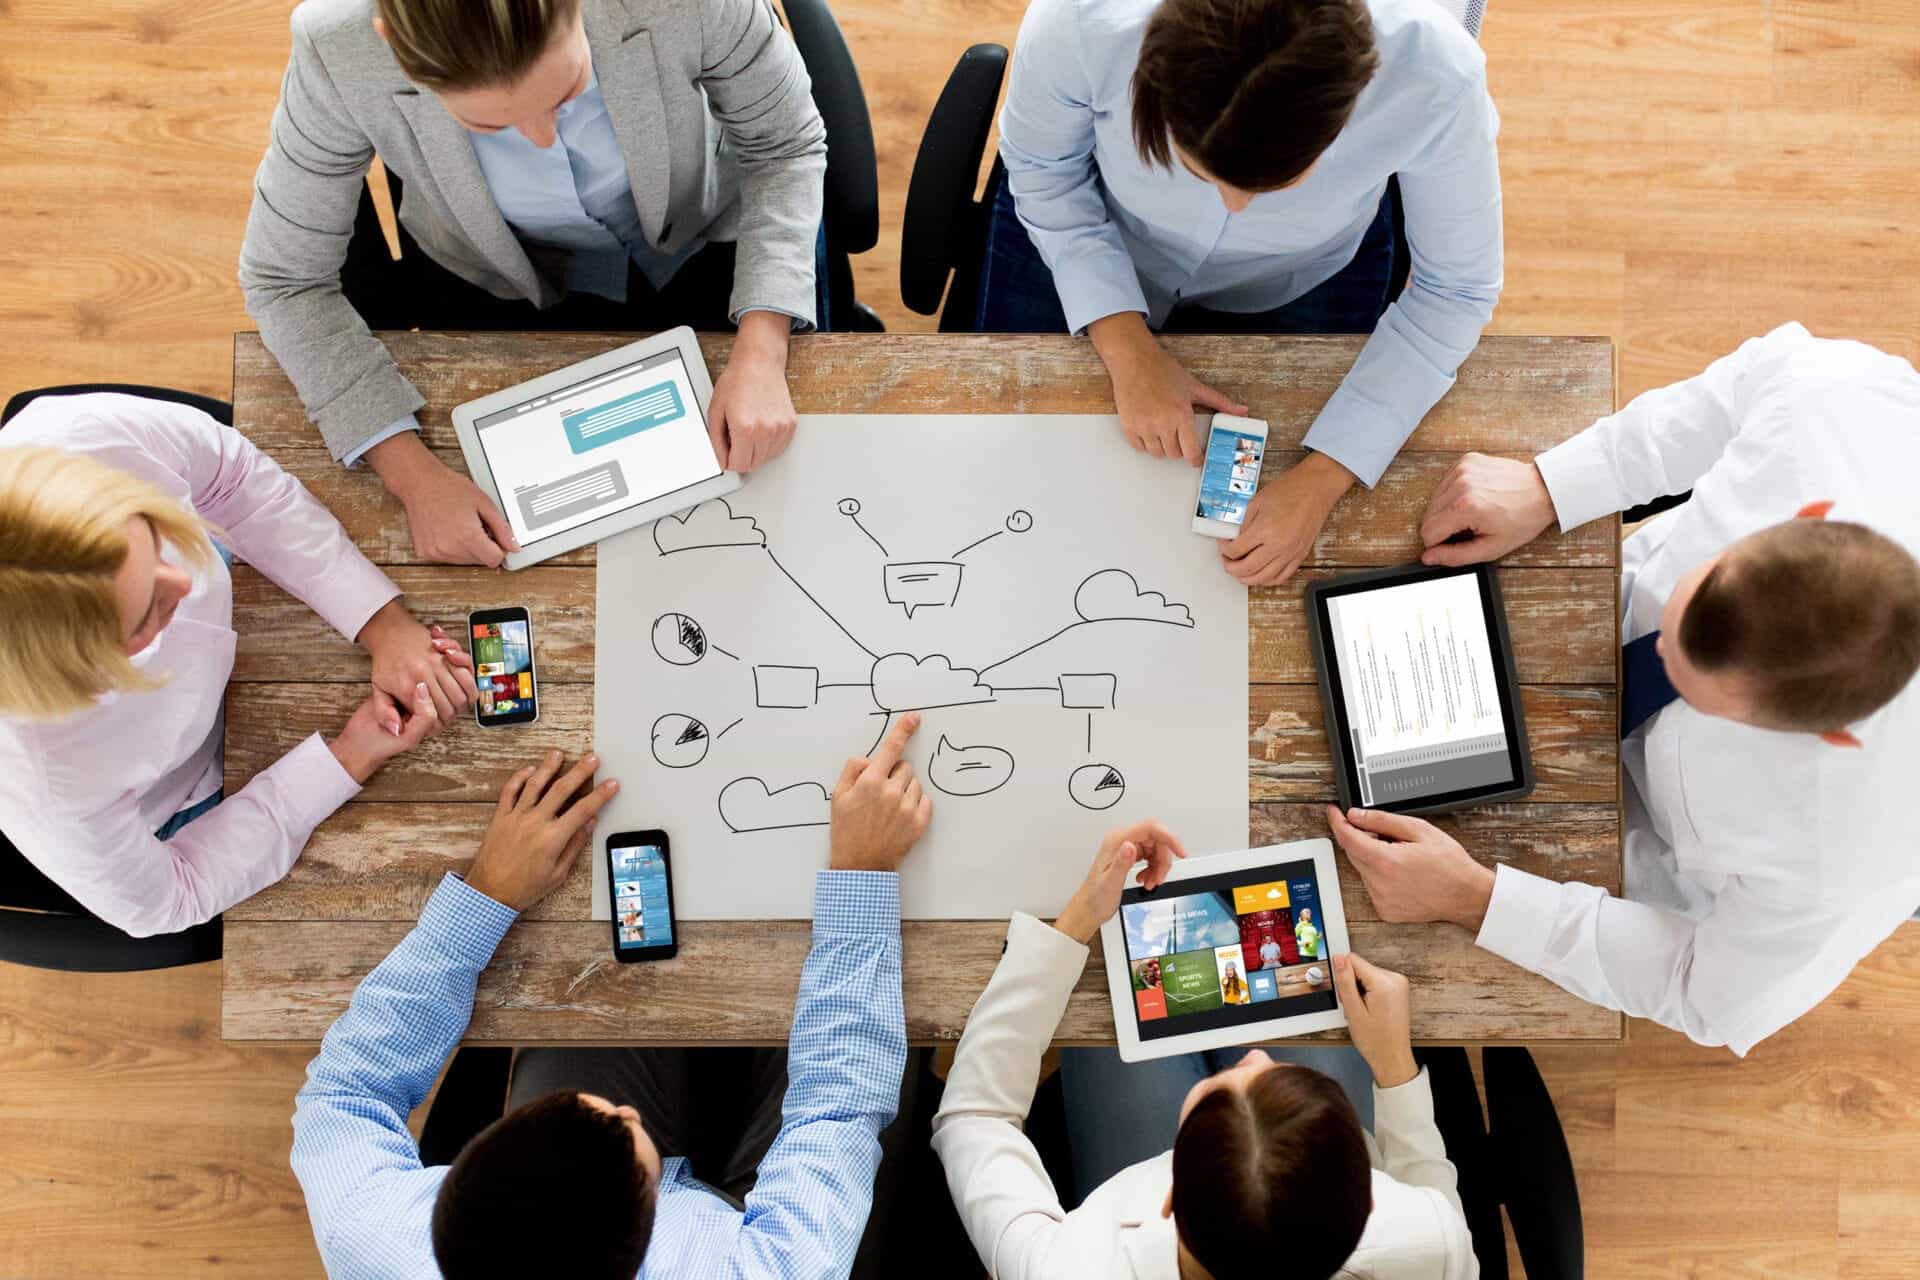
(574, 1184)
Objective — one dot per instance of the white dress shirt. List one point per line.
(81, 797)
(1120, 235)
(1760, 866)
(1416, 1231)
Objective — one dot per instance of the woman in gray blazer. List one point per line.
(585, 164)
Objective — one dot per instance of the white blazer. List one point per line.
(1760, 866)
(1417, 1230)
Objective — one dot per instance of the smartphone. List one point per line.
(640, 877)
(1229, 475)
(501, 642)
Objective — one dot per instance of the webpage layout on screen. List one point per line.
(1416, 675)
(613, 441)
(1230, 475)
(1228, 949)
(641, 917)
(503, 666)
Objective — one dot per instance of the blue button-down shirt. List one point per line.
(372, 1202)
(1120, 235)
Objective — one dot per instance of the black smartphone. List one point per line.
(501, 642)
(640, 877)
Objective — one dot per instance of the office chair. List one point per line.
(41, 925)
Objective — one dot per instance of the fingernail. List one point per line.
(612, 785)
(592, 758)
(552, 756)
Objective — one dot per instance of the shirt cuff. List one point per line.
(350, 592)
(313, 782)
(353, 456)
(464, 922)
(860, 903)
(1405, 1106)
(1580, 480)
(1520, 917)
(801, 324)
(1050, 950)
(1358, 434)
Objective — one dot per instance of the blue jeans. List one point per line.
(1017, 294)
(1119, 1113)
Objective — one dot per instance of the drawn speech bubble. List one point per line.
(922, 583)
(968, 771)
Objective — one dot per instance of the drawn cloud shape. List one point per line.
(1113, 593)
(711, 524)
(968, 771)
(746, 804)
(902, 682)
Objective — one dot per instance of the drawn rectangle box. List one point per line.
(543, 504)
(617, 419)
(1087, 692)
(786, 688)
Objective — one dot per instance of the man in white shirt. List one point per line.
(1269, 1161)
(1770, 722)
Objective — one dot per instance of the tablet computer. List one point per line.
(598, 447)
(1417, 685)
(1229, 949)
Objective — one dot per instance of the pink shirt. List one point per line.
(82, 797)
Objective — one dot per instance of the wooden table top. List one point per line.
(295, 952)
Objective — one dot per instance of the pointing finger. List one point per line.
(894, 744)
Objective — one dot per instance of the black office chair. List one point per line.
(852, 204)
(41, 925)
(1516, 1158)
(944, 233)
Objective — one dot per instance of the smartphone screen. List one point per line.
(1231, 472)
(501, 642)
(639, 875)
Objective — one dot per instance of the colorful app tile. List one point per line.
(1233, 978)
(1262, 985)
(1151, 1005)
(1259, 897)
(1166, 925)
(1191, 981)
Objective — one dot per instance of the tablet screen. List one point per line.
(606, 443)
(1417, 690)
(1227, 950)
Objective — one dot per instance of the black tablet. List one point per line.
(1416, 679)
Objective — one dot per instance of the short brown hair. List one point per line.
(469, 44)
(1253, 90)
(1822, 616)
(1276, 1172)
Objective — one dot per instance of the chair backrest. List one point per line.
(945, 227)
(852, 205)
(219, 410)
(1467, 12)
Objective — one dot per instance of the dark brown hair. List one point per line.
(471, 44)
(1822, 616)
(1275, 1174)
(1252, 90)
(553, 1188)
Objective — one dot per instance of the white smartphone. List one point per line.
(1229, 475)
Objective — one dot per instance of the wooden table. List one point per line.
(295, 952)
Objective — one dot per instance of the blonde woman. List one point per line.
(565, 164)
(116, 619)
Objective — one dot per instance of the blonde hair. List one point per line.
(63, 538)
(469, 44)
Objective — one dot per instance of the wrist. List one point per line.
(762, 336)
(1476, 895)
(1323, 476)
(386, 621)
(1076, 924)
(401, 462)
(358, 764)
(1121, 339)
(1395, 1070)
(1545, 515)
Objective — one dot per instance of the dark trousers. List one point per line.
(418, 293)
(1017, 293)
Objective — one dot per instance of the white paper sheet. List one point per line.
(1030, 583)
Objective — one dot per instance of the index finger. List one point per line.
(1395, 826)
(894, 744)
(1356, 842)
(1444, 523)
(589, 805)
(1369, 972)
(570, 781)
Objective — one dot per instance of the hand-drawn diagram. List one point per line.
(899, 682)
(1024, 585)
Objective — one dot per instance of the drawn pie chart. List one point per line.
(680, 742)
(679, 639)
(1096, 786)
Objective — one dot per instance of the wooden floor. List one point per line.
(1680, 176)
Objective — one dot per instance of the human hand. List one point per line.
(369, 740)
(1152, 392)
(1501, 503)
(1412, 869)
(1283, 519)
(750, 417)
(536, 835)
(451, 520)
(1379, 1017)
(406, 655)
(1098, 896)
(879, 809)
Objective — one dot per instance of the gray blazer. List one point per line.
(714, 114)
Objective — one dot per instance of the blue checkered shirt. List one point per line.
(372, 1202)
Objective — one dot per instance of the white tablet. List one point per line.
(1230, 949)
(598, 447)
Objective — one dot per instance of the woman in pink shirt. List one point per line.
(116, 642)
